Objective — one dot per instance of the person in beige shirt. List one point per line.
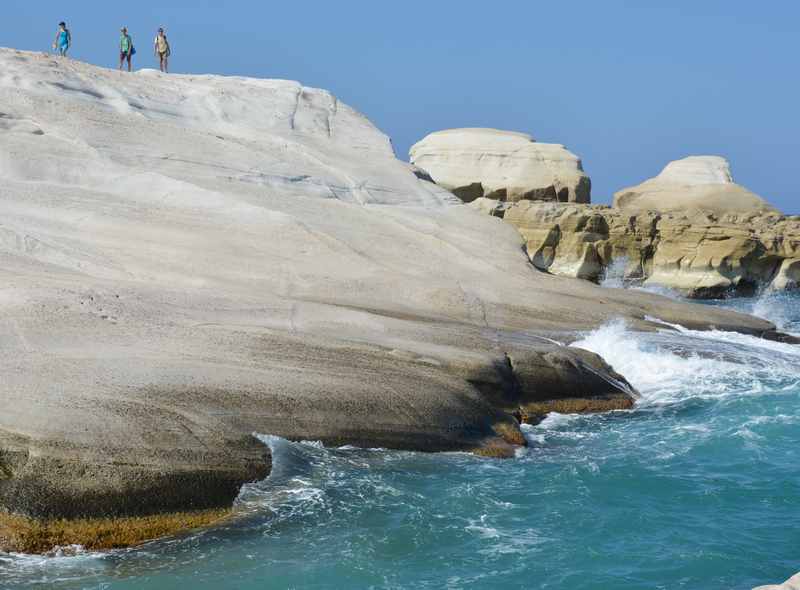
(162, 50)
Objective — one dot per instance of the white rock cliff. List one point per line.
(504, 165)
(187, 260)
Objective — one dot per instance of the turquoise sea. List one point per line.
(697, 488)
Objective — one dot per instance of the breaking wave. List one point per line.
(675, 363)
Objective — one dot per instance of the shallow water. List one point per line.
(697, 488)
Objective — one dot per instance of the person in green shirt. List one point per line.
(126, 49)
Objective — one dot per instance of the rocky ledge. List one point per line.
(691, 228)
(698, 253)
(188, 260)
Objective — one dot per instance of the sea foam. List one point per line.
(675, 363)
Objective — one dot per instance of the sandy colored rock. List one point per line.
(691, 228)
(670, 231)
(504, 165)
(188, 260)
(694, 183)
(788, 276)
(699, 255)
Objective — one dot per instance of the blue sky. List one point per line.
(626, 84)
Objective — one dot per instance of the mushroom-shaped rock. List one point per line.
(504, 165)
(694, 183)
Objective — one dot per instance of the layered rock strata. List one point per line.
(700, 256)
(690, 229)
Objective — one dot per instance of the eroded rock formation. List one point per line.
(696, 183)
(700, 254)
(690, 229)
(188, 260)
(502, 165)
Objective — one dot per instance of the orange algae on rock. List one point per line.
(27, 535)
(533, 413)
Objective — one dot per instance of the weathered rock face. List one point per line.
(694, 183)
(690, 229)
(788, 276)
(188, 260)
(502, 165)
(699, 254)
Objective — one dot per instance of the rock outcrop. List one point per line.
(695, 183)
(502, 165)
(700, 255)
(690, 229)
(188, 260)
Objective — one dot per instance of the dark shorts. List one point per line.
(123, 55)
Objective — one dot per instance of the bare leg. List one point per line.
(166, 64)
(121, 61)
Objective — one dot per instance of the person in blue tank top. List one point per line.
(63, 39)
